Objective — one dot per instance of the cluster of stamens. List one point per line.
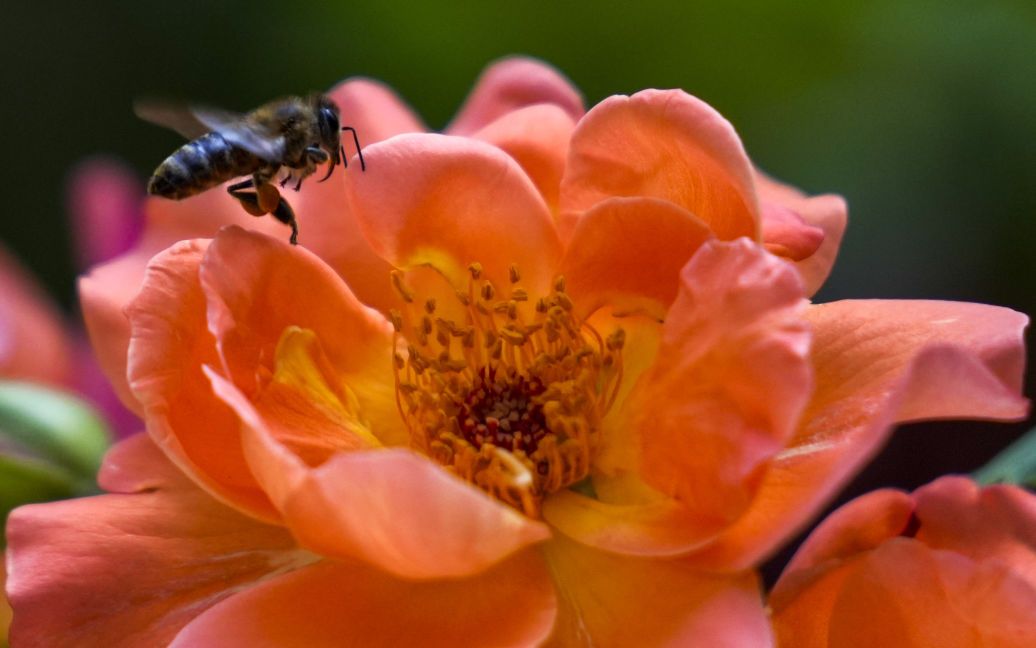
(509, 398)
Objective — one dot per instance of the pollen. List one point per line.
(510, 396)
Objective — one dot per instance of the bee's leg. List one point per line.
(359, 151)
(314, 156)
(248, 198)
(284, 214)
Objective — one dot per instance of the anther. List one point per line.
(513, 273)
(475, 269)
(397, 283)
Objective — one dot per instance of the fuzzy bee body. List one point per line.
(202, 164)
(294, 133)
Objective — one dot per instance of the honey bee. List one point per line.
(293, 134)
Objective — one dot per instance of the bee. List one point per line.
(293, 134)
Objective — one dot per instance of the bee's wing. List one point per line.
(241, 131)
(194, 121)
(173, 116)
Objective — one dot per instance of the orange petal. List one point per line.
(334, 604)
(327, 225)
(510, 84)
(610, 600)
(131, 569)
(663, 144)
(660, 528)
(804, 597)
(258, 287)
(627, 253)
(305, 405)
(169, 346)
(730, 381)
(392, 508)
(537, 138)
(827, 214)
(877, 363)
(995, 522)
(33, 343)
(787, 234)
(905, 594)
(405, 514)
(374, 110)
(448, 201)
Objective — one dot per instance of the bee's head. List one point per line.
(330, 134)
(330, 127)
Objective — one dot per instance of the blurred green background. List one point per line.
(923, 114)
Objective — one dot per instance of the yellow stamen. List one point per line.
(518, 411)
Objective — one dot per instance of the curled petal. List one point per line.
(339, 604)
(33, 345)
(537, 138)
(628, 252)
(257, 287)
(793, 220)
(729, 383)
(169, 346)
(511, 84)
(610, 600)
(408, 516)
(878, 363)
(391, 508)
(786, 234)
(132, 569)
(449, 201)
(662, 144)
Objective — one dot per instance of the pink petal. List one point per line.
(878, 363)
(33, 342)
(510, 84)
(450, 201)
(537, 138)
(826, 213)
(662, 144)
(786, 234)
(730, 381)
(106, 207)
(345, 604)
(132, 569)
(610, 600)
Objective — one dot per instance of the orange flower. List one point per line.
(540, 379)
(950, 565)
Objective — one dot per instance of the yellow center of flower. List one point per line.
(511, 397)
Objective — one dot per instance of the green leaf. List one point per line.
(1015, 465)
(51, 427)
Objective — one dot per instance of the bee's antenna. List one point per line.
(359, 151)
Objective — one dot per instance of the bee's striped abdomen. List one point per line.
(201, 164)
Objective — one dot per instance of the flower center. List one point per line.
(509, 396)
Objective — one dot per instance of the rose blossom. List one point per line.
(551, 376)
